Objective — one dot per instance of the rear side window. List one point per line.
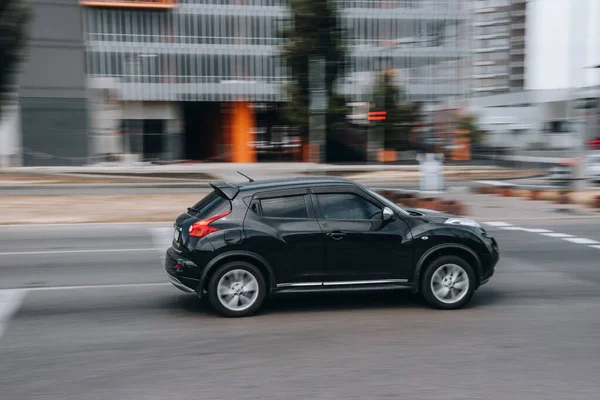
(210, 205)
(284, 207)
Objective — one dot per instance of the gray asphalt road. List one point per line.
(531, 333)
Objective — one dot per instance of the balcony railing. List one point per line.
(128, 38)
(499, 21)
(453, 5)
(130, 3)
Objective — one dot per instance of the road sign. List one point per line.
(377, 116)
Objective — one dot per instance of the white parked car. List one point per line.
(591, 165)
(564, 171)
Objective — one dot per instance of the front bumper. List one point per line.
(491, 266)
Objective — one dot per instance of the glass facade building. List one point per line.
(173, 52)
(215, 50)
(500, 31)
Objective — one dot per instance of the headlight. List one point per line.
(462, 221)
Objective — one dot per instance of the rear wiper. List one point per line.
(193, 209)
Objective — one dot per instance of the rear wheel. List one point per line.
(237, 289)
(448, 283)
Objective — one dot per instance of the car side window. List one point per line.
(284, 207)
(346, 206)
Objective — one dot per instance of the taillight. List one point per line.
(202, 228)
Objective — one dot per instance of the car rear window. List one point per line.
(284, 207)
(210, 205)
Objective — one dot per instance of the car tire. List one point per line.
(448, 283)
(237, 289)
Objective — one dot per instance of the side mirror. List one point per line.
(387, 213)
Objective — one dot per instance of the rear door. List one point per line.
(282, 227)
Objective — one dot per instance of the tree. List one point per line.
(14, 19)
(313, 32)
(401, 114)
(468, 122)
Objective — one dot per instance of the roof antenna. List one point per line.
(246, 176)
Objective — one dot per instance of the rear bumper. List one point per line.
(177, 283)
(180, 272)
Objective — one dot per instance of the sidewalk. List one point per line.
(260, 171)
(164, 207)
(211, 167)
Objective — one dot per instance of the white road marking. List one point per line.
(85, 225)
(27, 253)
(547, 232)
(533, 230)
(494, 183)
(579, 240)
(498, 223)
(79, 287)
(558, 235)
(508, 227)
(10, 300)
(161, 238)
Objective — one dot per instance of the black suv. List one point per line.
(245, 242)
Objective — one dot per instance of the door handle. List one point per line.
(337, 235)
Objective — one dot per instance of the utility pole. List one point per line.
(578, 43)
(318, 108)
(379, 133)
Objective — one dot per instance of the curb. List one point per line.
(200, 184)
(535, 193)
(410, 200)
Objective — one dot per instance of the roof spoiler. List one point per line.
(225, 189)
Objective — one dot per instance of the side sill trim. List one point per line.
(341, 283)
(299, 284)
(373, 282)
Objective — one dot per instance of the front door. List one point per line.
(360, 247)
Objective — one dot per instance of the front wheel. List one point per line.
(448, 283)
(237, 289)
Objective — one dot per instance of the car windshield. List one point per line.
(387, 202)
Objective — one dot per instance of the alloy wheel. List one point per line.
(237, 290)
(450, 283)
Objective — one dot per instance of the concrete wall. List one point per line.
(170, 112)
(52, 89)
(105, 117)
(509, 126)
(527, 112)
(10, 128)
